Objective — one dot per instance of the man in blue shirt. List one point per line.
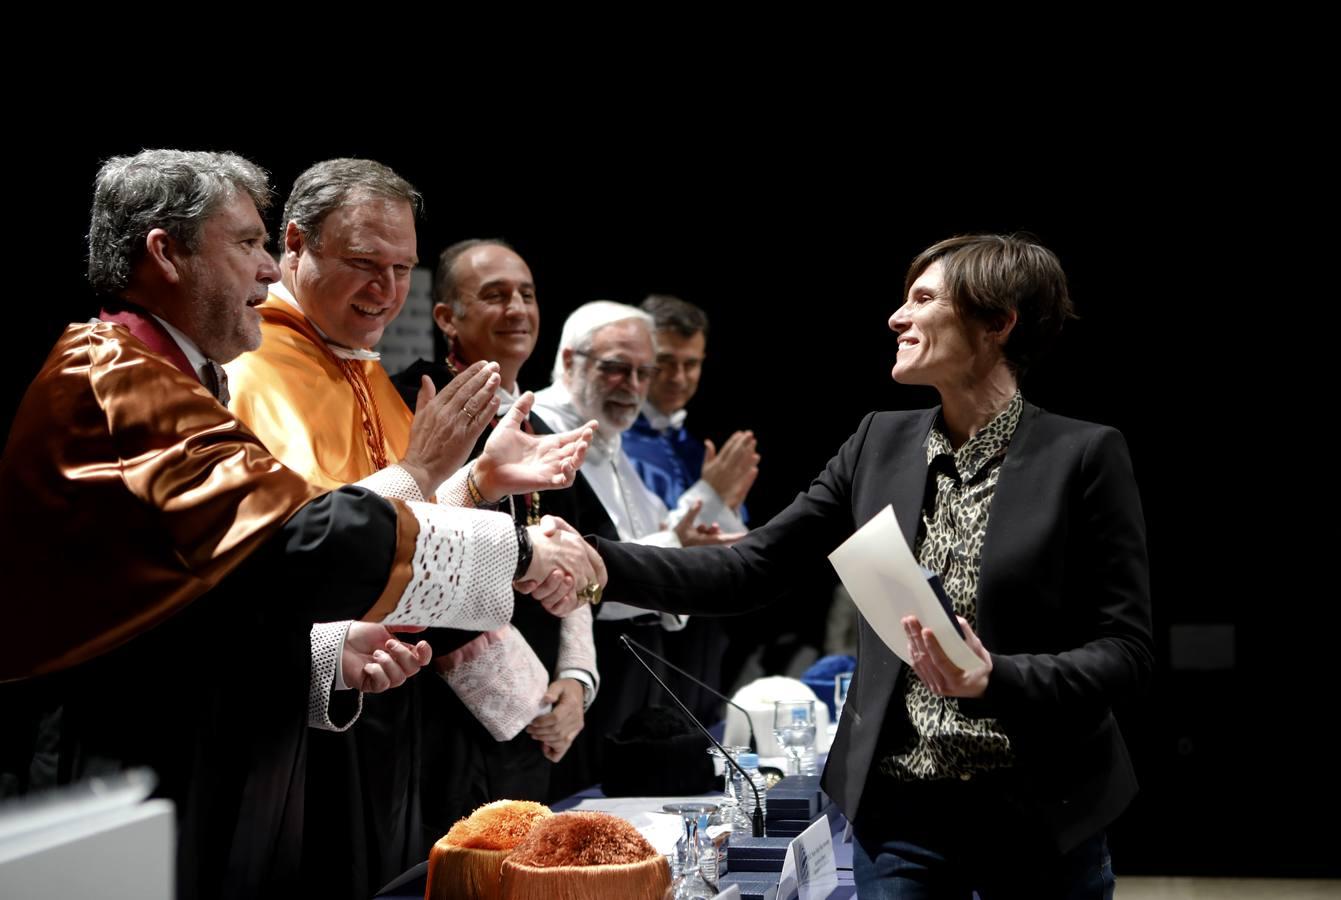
(681, 469)
(672, 462)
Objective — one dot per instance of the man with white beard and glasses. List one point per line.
(604, 367)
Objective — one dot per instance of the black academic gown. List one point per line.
(481, 768)
(163, 574)
(214, 700)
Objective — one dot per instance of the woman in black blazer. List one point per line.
(999, 779)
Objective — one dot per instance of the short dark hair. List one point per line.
(444, 277)
(990, 275)
(324, 187)
(673, 314)
(176, 190)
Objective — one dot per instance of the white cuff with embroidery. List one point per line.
(500, 680)
(328, 642)
(463, 564)
(393, 482)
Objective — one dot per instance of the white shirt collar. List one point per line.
(283, 293)
(505, 399)
(660, 421)
(199, 361)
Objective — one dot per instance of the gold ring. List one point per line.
(591, 593)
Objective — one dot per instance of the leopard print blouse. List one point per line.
(949, 744)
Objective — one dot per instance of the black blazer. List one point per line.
(1063, 604)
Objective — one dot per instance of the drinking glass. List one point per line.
(794, 728)
(690, 883)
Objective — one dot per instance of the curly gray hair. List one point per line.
(176, 190)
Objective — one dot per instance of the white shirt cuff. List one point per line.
(584, 678)
(714, 508)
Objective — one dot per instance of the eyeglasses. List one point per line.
(617, 368)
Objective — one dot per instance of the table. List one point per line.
(411, 885)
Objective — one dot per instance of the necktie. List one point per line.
(215, 380)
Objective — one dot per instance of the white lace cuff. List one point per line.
(453, 491)
(393, 482)
(328, 641)
(461, 574)
(501, 681)
(577, 652)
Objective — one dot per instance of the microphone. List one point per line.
(749, 723)
(756, 820)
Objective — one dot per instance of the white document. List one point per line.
(809, 871)
(887, 584)
(661, 829)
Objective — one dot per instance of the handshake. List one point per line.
(564, 571)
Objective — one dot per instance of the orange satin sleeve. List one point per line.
(402, 564)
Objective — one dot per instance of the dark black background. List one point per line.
(793, 230)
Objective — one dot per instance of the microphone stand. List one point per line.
(749, 723)
(756, 820)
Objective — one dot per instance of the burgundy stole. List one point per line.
(148, 329)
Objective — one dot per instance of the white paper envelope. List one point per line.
(886, 583)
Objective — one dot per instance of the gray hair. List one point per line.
(589, 318)
(176, 190)
(329, 185)
(444, 278)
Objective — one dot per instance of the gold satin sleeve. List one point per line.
(126, 491)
